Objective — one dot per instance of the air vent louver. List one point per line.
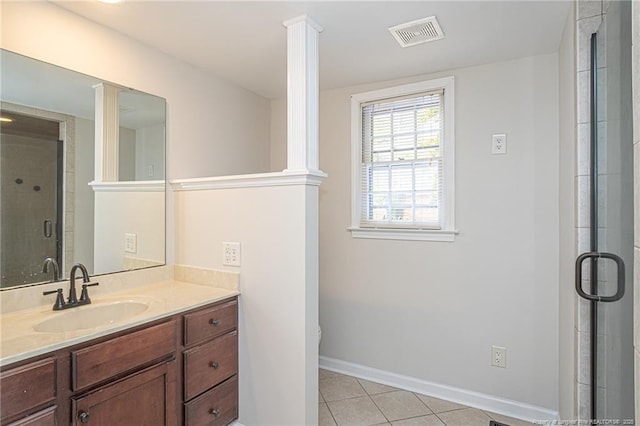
(417, 32)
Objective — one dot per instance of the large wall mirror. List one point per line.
(82, 174)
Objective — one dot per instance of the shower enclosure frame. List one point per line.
(608, 321)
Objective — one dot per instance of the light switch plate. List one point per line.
(231, 253)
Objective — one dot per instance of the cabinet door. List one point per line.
(144, 398)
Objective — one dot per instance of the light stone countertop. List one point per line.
(19, 340)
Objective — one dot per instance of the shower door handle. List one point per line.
(597, 255)
(48, 229)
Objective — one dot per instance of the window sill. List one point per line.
(403, 234)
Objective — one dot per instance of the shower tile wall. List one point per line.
(28, 197)
(67, 134)
(589, 18)
(589, 15)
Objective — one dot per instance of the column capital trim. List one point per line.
(303, 18)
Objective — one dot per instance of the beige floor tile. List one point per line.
(356, 412)
(337, 386)
(511, 421)
(430, 420)
(465, 417)
(324, 416)
(326, 373)
(373, 388)
(439, 405)
(320, 398)
(400, 405)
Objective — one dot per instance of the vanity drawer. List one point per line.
(45, 417)
(210, 323)
(209, 364)
(108, 359)
(27, 387)
(219, 406)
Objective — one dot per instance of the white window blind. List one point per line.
(402, 161)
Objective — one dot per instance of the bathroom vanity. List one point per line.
(156, 369)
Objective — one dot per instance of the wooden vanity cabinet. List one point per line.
(210, 365)
(177, 370)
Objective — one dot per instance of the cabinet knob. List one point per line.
(214, 322)
(83, 416)
(214, 365)
(214, 412)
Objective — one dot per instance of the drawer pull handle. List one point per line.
(214, 412)
(214, 365)
(214, 322)
(83, 416)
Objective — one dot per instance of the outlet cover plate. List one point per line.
(499, 144)
(499, 356)
(231, 253)
(130, 243)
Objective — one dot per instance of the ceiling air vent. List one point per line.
(417, 32)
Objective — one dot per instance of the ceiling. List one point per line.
(245, 42)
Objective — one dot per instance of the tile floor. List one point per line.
(346, 400)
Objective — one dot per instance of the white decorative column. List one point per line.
(107, 132)
(302, 95)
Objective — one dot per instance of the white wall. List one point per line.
(206, 116)
(150, 152)
(116, 213)
(277, 229)
(127, 154)
(432, 310)
(204, 113)
(279, 135)
(567, 146)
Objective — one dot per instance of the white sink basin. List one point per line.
(91, 316)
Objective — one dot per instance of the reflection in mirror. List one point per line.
(80, 181)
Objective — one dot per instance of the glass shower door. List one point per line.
(607, 274)
(30, 198)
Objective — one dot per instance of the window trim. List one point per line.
(448, 231)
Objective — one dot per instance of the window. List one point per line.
(402, 162)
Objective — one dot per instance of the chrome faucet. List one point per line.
(73, 300)
(56, 270)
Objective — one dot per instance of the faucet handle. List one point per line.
(59, 299)
(84, 296)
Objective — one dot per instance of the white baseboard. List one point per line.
(507, 407)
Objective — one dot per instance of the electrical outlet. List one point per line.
(499, 356)
(499, 144)
(130, 243)
(231, 253)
